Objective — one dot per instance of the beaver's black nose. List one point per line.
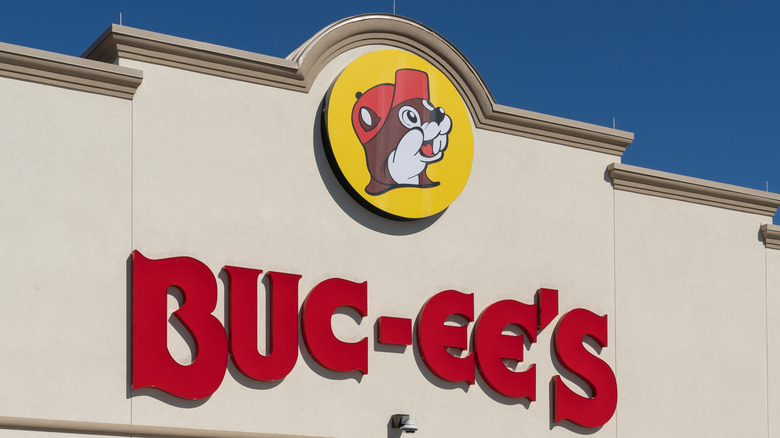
(437, 115)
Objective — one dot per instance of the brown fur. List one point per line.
(378, 149)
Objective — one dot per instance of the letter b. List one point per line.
(152, 364)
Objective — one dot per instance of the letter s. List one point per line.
(567, 405)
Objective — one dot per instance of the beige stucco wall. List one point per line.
(773, 337)
(233, 173)
(11, 433)
(65, 236)
(691, 320)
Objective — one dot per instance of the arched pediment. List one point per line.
(299, 70)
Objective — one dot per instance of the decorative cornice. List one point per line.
(299, 70)
(127, 430)
(699, 191)
(129, 43)
(67, 71)
(771, 234)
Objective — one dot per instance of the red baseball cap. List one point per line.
(373, 106)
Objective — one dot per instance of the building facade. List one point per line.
(157, 173)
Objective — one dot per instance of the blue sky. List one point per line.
(698, 83)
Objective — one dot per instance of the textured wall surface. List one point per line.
(234, 173)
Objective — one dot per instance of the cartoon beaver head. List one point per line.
(401, 131)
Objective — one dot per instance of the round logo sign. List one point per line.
(398, 135)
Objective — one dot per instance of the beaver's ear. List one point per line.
(368, 119)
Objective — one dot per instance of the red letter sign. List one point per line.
(433, 336)
(283, 316)
(492, 346)
(318, 309)
(567, 405)
(152, 363)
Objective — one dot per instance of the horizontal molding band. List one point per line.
(299, 70)
(771, 234)
(127, 430)
(140, 45)
(68, 72)
(699, 191)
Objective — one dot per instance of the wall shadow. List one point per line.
(169, 399)
(181, 330)
(350, 202)
(392, 433)
(129, 326)
(504, 400)
(607, 178)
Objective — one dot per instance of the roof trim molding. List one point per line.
(127, 430)
(49, 68)
(699, 191)
(299, 70)
(771, 235)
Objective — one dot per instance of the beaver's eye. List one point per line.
(409, 117)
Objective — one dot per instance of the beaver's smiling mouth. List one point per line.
(427, 150)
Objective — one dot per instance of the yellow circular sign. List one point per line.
(399, 135)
